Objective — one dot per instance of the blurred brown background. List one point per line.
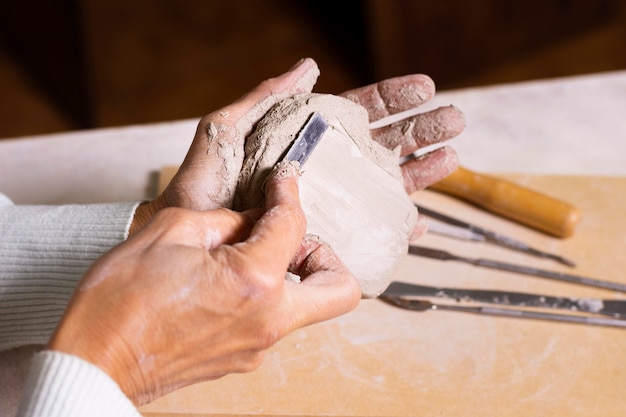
(73, 64)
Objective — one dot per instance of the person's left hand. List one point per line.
(197, 295)
(208, 176)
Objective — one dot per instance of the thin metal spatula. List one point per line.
(467, 231)
(424, 305)
(443, 255)
(614, 308)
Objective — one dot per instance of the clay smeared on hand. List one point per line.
(351, 187)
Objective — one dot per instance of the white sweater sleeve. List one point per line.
(66, 386)
(44, 251)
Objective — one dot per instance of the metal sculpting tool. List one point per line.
(423, 305)
(307, 139)
(477, 233)
(520, 269)
(606, 307)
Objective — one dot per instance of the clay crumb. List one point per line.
(214, 129)
(286, 169)
(310, 237)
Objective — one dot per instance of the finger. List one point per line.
(248, 109)
(421, 130)
(215, 157)
(328, 288)
(421, 172)
(393, 95)
(278, 233)
(233, 122)
(312, 256)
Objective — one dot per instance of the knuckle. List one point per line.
(298, 215)
(267, 83)
(252, 361)
(171, 216)
(211, 118)
(268, 334)
(173, 221)
(295, 216)
(256, 289)
(216, 126)
(265, 289)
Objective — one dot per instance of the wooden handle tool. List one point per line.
(512, 201)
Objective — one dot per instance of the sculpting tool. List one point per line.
(307, 139)
(478, 233)
(423, 305)
(520, 269)
(606, 307)
(512, 201)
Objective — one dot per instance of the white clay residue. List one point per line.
(591, 305)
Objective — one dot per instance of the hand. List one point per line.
(197, 295)
(208, 176)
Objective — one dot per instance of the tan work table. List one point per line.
(566, 137)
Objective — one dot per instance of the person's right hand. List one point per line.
(197, 295)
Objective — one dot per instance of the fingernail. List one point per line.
(297, 64)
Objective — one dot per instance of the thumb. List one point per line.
(208, 176)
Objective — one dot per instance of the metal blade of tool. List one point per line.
(423, 305)
(519, 269)
(307, 139)
(445, 229)
(491, 236)
(612, 308)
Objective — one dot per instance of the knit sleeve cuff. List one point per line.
(65, 385)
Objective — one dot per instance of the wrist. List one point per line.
(144, 212)
(101, 348)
